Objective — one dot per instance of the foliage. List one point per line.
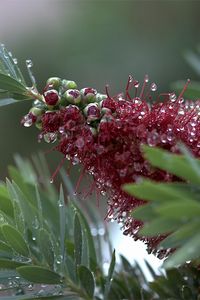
(174, 208)
(55, 256)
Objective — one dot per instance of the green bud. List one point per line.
(36, 111)
(100, 97)
(54, 81)
(38, 125)
(39, 104)
(68, 84)
(88, 94)
(72, 96)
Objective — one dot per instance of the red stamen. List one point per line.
(57, 169)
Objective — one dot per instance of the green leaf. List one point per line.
(9, 84)
(151, 190)
(144, 213)
(159, 226)
(77, 240)
(86, 280)
(71, 268)
(37, 274)
(8, 101)
(10, 264)
(46, 246)
(5, 250)
(109, 277)
(180, 236)
(15, 240)
(88, 237)
(189, 251)
(186, 209)
(5, 202)
(173, 163)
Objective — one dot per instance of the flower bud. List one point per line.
(100, 97)
(68, 84)
(39, 104)
(72, 96)
(92, 112)
(36, 111)
(38, 125)
(89, 94)
(54, 82)
(51, 97)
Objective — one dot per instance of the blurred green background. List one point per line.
(93, 43)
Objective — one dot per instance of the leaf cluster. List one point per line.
(173, 208)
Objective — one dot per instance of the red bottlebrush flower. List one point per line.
(109, 144)
(51, 97)
(51, 121)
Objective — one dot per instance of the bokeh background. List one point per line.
(94, 43)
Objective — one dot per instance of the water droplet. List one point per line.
(153, 87)
(172, 97)
(50, 137)
(60, 204)
(15, 61)
(34, 238)
(59, 259)
(61, 130)
(163, 138)
(27, 120)
(29, 63)
(136, 84)
(146, 78)
(152, 139)
(80, 143)
(35, 223)
(181, 112)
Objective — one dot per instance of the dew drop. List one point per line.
(146, 78)
(29, 63)
(27, 120)
(153, 87)
(136, 84)
(172, 97)
(15, 61)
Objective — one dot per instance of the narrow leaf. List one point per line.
(8, 101)
(173, 163)
(86, 280)
(180, 236)
(10, 264)
(189, 251)
(38, 274)
(110, 275)
(15, 240)
(9, 84)
(77, 240)
(46, 246)
(159, 226)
